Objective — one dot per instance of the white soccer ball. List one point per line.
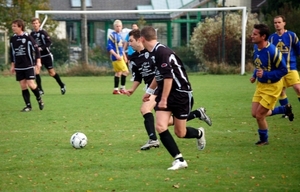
(78, 140)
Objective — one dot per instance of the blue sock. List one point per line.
(284, 101)
(263, 135)
(278, 110)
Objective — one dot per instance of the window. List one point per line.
(77, 3)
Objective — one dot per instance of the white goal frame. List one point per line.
(243, 9)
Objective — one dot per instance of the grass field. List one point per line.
(36, 154)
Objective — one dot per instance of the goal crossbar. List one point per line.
(243, 9)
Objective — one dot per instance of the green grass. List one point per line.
(36, 154)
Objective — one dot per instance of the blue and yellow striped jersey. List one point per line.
(270, 60)
(289, 45)
(115, 42)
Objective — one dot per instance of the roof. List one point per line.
(98, 5)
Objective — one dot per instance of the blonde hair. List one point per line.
(116, 22)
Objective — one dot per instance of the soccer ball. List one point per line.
(78, 140)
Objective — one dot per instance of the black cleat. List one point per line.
(288, 112)
(261, 143)
(63, 90)
(41, 104)
(26, 109)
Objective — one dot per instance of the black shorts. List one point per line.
(25, 74)
(179, 103)
(47, 61)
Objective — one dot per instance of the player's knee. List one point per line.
(180, 134)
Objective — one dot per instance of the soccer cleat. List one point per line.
(150, 143)
(201, 142)
(177, 164)
(116, 92)
(203, 116)
(26, 109)
(122, 91)
(63, 89)
(41, 104)
(261, 143)
(288, 112)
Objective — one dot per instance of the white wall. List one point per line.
(60, 31)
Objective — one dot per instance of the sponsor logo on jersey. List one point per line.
(164, 65)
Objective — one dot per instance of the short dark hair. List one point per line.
(263, 30)
(148, 33)
(35, 19)
(135, 33)
(20, 23)
(280, 16)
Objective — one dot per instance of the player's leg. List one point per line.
(34, 88)
(48, 63)
(20, 76)
(38, 79)
(146, 110)
(260, 116)
(123, 76)
(168, 141)
(117, 75)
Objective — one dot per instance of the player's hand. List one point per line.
(252, 79)
(12, 69)
(259, 73)
(129, 92)
(146, 97)
(162, 104)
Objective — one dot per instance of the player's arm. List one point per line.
(150, 90)
(46, 39)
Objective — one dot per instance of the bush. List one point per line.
(207, 37)
(187, 57)
(60, 50)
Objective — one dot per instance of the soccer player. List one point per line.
(143, 69)
(174, 97)
(22, 50)
(270, 68)
(118, 57)
(43, 40)
(289, 45)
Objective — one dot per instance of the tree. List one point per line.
(274, 6)
(22, 9)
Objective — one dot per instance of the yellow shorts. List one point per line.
(267, 94)
(291, 78)
(119, 66)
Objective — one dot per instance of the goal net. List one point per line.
(180, 32)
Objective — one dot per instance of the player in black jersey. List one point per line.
(22, 47)
(42, 38)
(143, 69)
(174, 97)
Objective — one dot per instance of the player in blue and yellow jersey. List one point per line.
(289, 45)
(270, 67)
(118, 57)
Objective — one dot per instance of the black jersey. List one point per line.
(142, 66)
(42, 38)
(23, 51)
(169, 66)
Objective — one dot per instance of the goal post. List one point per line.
(243, 24)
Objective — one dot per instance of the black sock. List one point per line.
(36, 93)
(123, 80)
(26, 97)
(192, 133)
(38, 81)
(169, 143)
(193, 115)
(149, 125)
(116, 81)
(58, 80)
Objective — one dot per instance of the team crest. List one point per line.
(147, 55)
(164, 65)
(23, 40)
